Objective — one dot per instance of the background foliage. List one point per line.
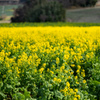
(40, 11)
(68, 3)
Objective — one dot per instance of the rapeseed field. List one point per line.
(49, 63)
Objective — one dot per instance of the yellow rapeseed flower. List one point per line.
(75, 98)
(57, 60)
(84, 81)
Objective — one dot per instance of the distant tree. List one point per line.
(23, 0)
(40, 11)
(68, 3)
(91, 2)
(80, 3)
(83, 3)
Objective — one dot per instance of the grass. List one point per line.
(84, 15)
(48, 24)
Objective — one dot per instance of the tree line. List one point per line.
(68, 3)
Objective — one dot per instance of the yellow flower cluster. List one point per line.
(55, 51)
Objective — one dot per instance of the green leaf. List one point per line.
(2, 95)
(27, 94)
(1, 84)
(9, 86)
(59, 95)
(18, 96)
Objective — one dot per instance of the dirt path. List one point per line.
(98, 3)
(4, 21)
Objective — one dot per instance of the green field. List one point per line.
(91, 15)
(48, 24)
(8, 9)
